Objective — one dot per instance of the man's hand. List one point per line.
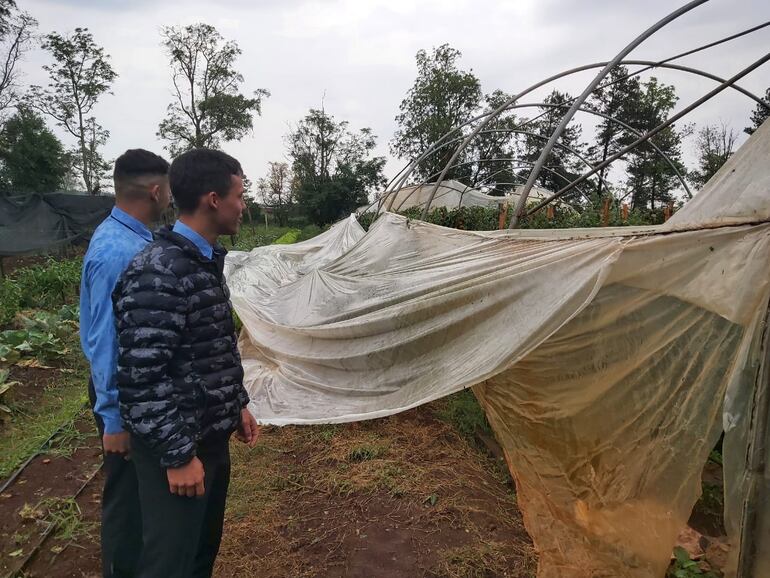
(187, 480)
(248, 430)
(119, 443)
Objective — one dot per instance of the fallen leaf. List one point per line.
(16, 553)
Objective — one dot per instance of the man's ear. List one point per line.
(154, 191)
(212, 200)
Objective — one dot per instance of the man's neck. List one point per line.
(201, 227)
(138, 211)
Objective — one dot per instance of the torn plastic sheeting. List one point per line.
(601, 360)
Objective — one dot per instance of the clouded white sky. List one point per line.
(358, 55)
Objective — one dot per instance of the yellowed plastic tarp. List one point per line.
(602, 357)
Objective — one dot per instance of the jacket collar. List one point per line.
(191, 248)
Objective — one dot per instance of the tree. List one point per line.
(32, 159)
(618, 98)
(715, 144)
(759, 115)
(563, 165)
(208, 107)
(490, 155)
(651, 179)
(276, 191)
(15, 34)
(442, 98)
(81, 73)
(333, 167)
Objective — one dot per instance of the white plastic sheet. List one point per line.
(602, 357)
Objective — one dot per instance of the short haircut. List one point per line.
(134, 164)
(198, 172)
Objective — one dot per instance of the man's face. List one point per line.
(229, 211)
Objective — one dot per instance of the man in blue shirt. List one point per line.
(141, 194)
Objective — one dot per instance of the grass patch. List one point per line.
(288, 238)
(463, 412)
(366, 452)
(62, 513)
(475, 561)
(254, 235)
(31, 424)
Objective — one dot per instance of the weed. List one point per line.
(366, 452)
(63, 514)
(23, 434)
(5, 386)
(462, 410)
(472, 562)
(684, 567)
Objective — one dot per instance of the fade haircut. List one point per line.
(198, 172)
(134, 170)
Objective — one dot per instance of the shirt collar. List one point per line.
(132, 223)
(196, 238)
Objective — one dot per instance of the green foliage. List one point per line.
(276, 191)
(650, 178)
(487, 219)
(333, 167)
(42, 336)
(62, 514)
(759, 115)
(442, 98)
(49, 286)
(561, 165)
(80, 74)
(251, 236)
(5, 386)
(208, 107)
(33, 159)
(10, 300)
(715, 145)
(463, 411)
(288, 238)
(366, 452)
(309, 232)
(684, 567)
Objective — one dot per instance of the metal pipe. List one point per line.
(582, 98)
(409, 169)
(654, 131)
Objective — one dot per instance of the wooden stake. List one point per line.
(606, 212)
(503, 216)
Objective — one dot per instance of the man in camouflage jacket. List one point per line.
(180, 377)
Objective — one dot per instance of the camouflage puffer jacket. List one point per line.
(179, 376)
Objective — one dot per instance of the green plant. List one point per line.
(5, 386)
(63, 514)
(41, 336)
(10, 300)
(308, 232)
(288, 238)
(49, 286)
(684, 567)
(463, 411)
(366, 452)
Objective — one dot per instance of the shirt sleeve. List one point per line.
(101, 279)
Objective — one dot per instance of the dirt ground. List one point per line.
(396, 497)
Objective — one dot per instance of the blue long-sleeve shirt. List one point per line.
(114, 243)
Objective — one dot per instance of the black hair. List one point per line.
(198, 172)
(138, 163)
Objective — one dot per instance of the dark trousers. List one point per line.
(121, 529)
(181, 535)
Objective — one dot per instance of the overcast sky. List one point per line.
(360, 55)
